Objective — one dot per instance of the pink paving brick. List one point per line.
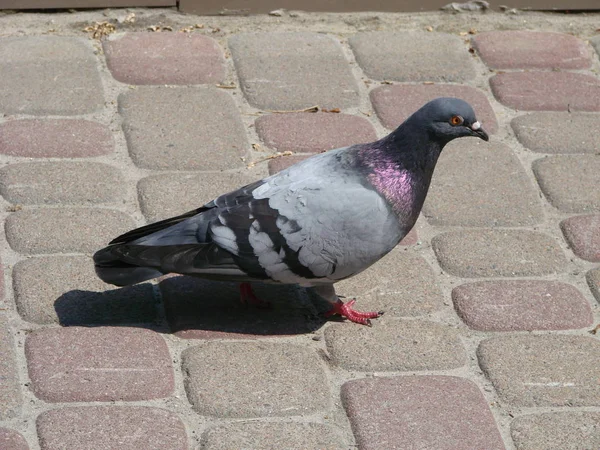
(547, 91)
(532, 50)
(521, 305)
(111, 427)
(11, 440)
(420, 412)
(310, 132)
(583, 235)
(98, 364)
(164, 58)
(55, 138)
(279, 164)
(394, 104)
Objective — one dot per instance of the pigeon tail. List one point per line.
(114, 271)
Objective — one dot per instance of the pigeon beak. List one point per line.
(479, 132)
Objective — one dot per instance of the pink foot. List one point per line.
(248, 297)
(345, 310)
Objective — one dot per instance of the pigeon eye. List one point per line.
(456, 120)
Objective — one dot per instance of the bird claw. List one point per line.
(346, 310)
(248, 297)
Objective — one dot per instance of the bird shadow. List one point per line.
(194, 308)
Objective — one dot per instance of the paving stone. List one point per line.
(11, 440)
(595, 41)
(290, 71)
(49, 75)
(272, 435)
(498, 253)
(279, 164)
(262, 379)
(61, 183)
(66, 290)
(394, 104)
(164, 58)
(550, 91)
(313, 133)
(419, 412)
(395, 345)
(570, 183)
(557, 430)
(520, 49)
(413, 56)
(111, 427)
(77, 364)
(64, 230)
(401, 284)
(558, 132)
(583, 235)
(521, 305)
(167, 195)
(546, 370)
(162, 131)
(55, 138)
(481, 184)
(205, 309)
(593, 279)
(10, 390)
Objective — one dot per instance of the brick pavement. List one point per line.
(490, 301)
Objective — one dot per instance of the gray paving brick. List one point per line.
(164, 58)
(49, 75)
(593, 279)
(557, 430)
(167, 195)
(498, 253)
(55, 138)
(67, 230)
(595, 41)
(521, 305)
(413, 56)
(61, 183)
(480, 184)
(111, 427)
(66, 290)
(76, 364)
(161, 125)
(10, 390)
(203, 309)
(11, 440)
(395, 345)
(295, 70)
(558, 132)
(546, 370)
(394, 104)
(547, 91)
(419, 412)
(570, 183)
(272, 435)
(401, 284)
(295, 385)
(314, 133)
(583, 235)
(521, 49)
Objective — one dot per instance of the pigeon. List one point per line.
(320, 221)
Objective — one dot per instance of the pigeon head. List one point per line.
(449, 118)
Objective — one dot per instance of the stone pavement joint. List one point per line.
(10, 389)
(593, 279)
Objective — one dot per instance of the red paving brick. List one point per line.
(394, 104)
(98, 364)
(279, 164)
(164, 58)
(419, 412)
(521, 305)
(111, 427)
(313, 132)
(583, 235)
(55, 138)
(549, 91)
(521, 49)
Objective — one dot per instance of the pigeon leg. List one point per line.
(327, 292)
(248, 297)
